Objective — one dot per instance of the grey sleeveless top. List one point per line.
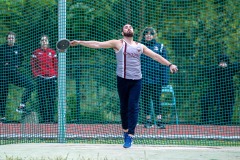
(129, 62)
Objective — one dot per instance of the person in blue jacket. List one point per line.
(155, 76)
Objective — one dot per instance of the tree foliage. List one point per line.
(194, 31)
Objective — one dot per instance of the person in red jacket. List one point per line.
(44, 64)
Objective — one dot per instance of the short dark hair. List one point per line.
(125, 25)
(10, 33)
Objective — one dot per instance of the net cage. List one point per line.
(72, 96)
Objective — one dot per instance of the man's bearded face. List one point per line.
(128, 34)
(128, 30)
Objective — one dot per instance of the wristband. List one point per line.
(170, 65)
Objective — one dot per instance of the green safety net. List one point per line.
(198, 105)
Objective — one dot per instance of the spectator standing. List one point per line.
(155, 75)
(44, 64)
(218, 101)
(10, 60)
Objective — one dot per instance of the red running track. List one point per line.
(114, 130)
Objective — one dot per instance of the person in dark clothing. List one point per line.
(155, 76)
(44, 64)
(10, 61)
(220, 92)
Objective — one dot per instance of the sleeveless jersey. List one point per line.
(129, 62)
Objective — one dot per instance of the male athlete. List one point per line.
(129, 75)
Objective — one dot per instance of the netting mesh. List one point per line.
(201, 101)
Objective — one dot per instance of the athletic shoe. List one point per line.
(128, 142)
(21, 109)
(160, 125)
(148, 124)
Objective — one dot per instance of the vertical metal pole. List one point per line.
(78, 94)
(152, 112)
(61, 73)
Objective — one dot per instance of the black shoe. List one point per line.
(148, 124)
(160, 125)
(3, 120)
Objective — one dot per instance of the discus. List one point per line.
(62, 45)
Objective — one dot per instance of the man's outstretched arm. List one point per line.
(95, 44)
(160, 59)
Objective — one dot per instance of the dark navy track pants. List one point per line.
(129, 95)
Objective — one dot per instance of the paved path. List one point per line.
(51, 151)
